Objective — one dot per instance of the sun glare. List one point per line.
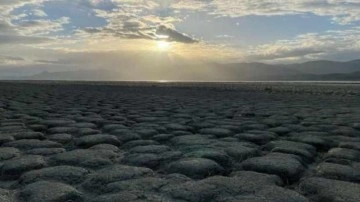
(163, 45)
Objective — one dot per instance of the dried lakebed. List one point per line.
(250, 142)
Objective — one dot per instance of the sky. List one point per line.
(66, 35)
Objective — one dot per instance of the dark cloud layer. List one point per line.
(16, 39)
(133, 30)
(174, 35)
(5, 57)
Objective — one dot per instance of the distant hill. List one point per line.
(256, 71)
(315, 70)
(355, 62)
(96, 75)
(354, 76)
(326, 67)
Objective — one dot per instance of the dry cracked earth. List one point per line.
(110, 142)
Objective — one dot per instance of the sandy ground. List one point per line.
(109, 142)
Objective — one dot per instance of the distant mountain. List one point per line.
(354, 76)
(308, 71)
(313, 70)
(357, 62)
(93, 75)
(326, 67)
(257, 71)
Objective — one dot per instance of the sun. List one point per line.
(163, 45)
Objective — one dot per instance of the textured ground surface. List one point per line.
(179, 142)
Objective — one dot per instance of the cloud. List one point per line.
(16, 39)
(38, 13)
(311, 46)
(174, 35)
(340, 11)
(4, 59)
(136, 32)
(16, 29)
(275, 52)
(59, 61)
(5, 27)
(151, 20)
(146, 20)
(7, 6)
(41, 27)
(11, 34)
(125, 26)
(120, 24)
